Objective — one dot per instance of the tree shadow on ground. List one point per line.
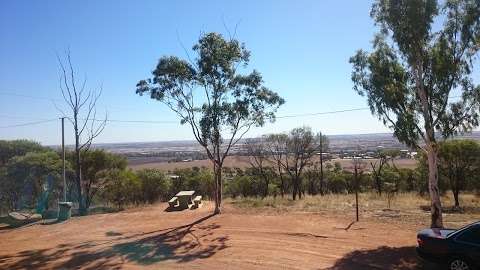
(174, 245)
(177, 244)
(392, 258)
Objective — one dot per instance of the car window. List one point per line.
(470, 235)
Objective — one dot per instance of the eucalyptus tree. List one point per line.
(294, 152)
(276, 148)
(377, 167)
(212, 96)
(384, 157)
(459, 162)
(423, 52)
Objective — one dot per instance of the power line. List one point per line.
(49, 99)
(321, 113)
(27, 96)
(277, 117)
(132, 121)
(172, 122)
(93, 119)
(168, 121)
(21, 117)
(29, 123)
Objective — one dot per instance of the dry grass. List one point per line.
(405, 207)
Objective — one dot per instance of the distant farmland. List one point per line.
(242, 162)
(234, 161)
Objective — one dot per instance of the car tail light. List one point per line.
(419, 242)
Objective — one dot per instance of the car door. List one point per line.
(469, 240)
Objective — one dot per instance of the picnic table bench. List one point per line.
(184, 199)
(173, 202)
(197, 201)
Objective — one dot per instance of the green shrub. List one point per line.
(122, 187)
(154, 185)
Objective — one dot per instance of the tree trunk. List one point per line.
(299, 187)
(410, 183)
(294, 191)
(356, 194)
(78, 176)
(218, 187)
(282, 187)
(455, 196)
(322, 191)
(267, 182)
(379, 185)
(436, 206)
(431, 146)
(456, 190)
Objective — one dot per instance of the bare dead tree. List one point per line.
(276, 147)
(82, 113)
(377, 167)
(294, 152)
(258, 157)
(385, 159)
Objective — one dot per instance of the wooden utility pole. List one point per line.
(63, 160)
(356, 191)
(321, 165)
(358, 167)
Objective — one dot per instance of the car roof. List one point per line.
(466, 227)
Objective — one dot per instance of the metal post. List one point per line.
(321, 164)
(63, 161)
(356, 190)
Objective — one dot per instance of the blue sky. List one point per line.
(300, 47)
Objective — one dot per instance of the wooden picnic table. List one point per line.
(185, 198)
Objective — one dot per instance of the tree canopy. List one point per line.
(26, 175)
(460, 164)
(95, 164)
(9, 149)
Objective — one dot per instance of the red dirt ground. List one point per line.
(150, 238)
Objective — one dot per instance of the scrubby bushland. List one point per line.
(9, 149)
(459, 166)
(199, 179)
(122, 187)
(154, 185)
(337, 180)
(26, 177)
(25, 167)
(95, 164)
(125, 187)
